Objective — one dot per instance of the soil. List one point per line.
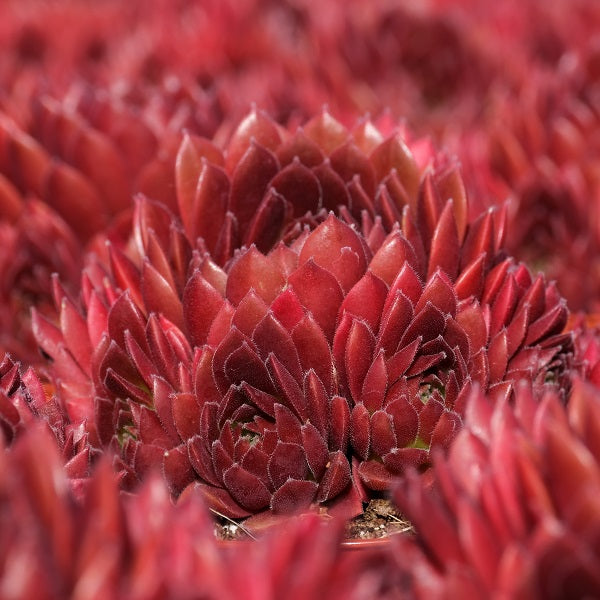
(379, 519)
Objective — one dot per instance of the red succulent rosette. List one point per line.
(310, 371)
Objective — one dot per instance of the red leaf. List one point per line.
(335, 479)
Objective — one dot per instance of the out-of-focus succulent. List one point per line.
(513, 511)
(105, 544)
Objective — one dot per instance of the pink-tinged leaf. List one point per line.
(457, 339)
(334, 193)
(375, 384)
(340, 424)
(319, 292)
(479, 239)
(400, 460)
(498, 356)
(336, 478)
(534, 298)
(221, 325)
(348, 161)
(256, 461)
(186, 414)
(159, 296)
(268, 222)
(340, 341)
(249, 182)
(472, 321)
(301, 146)
(366, 135)
(294, 495)
(287, 462)
(287, 386)
(479, 369)
(145, 367)
(262, 400)
(97, 157)
(396, 319)
(228, 240)
(256, 128)
(125, 386)
(220, 500)
(222, 451)
(572, 472)
(147, 459)
(249, 313)
(315, 449)
(405, 421)
(150, 429)
(317, 402)
(448, 425)
(437, 528)
(125, 315)
(253, 270)
(393, 154)
(74, 329)
(287, 425)
(504, 305)
(270, 336)
(336, 247)
(383, 438)
(359, 200)
(478, 542)
(386, 206)
(365, 300)
(375, 476)
(429, 414)
(244, 364)
(300, 187)
(79, 466)
(201, 303)
(232, 341)
(427, 324)
(450, 186)
(287, 309)
(445, 252)
(97, 319)
(151, 217)
(360, 431)
(408, 283)
(494, 280)
(429, 209)
(440, 293)
(206, 215)
(358, 356)
(31, 161)
(314, 351)
(177, 469)
(326, 132)
(391, 256)
(551, 323)
(161, 392)
(126, 275)
(73, 197)
(400, 362)
(470, 281)
(161, 350)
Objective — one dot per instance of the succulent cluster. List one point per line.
(230, 305)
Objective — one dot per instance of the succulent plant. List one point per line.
(104, 544)
(513, 510)
(311, 372)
